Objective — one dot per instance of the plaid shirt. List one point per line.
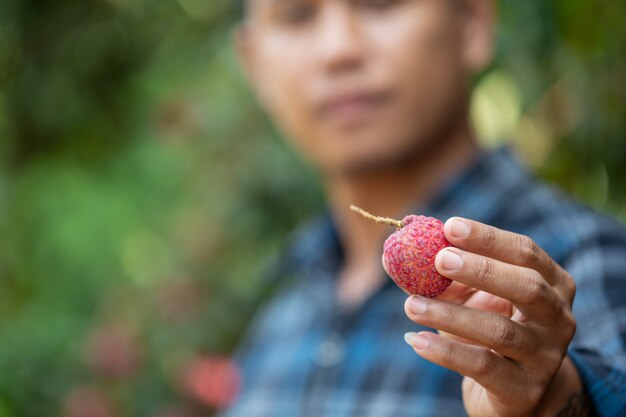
(305, 356)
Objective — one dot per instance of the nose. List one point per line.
(338, 41)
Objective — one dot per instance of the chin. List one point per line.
(373, 161)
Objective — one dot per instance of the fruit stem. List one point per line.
(384, 220)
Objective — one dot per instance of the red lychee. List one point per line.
(409, 253)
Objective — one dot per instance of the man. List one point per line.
(374, 94)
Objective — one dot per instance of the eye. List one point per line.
(377, 4)
(295, 12)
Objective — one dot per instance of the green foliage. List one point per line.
(569, 58)
(142, 190)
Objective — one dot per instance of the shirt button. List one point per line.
(331, 351)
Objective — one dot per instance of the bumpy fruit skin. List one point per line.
(409, 256)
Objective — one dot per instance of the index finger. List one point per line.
(501, 245)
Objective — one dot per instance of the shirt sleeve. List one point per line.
(599, 347)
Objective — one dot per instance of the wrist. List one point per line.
(566, 395)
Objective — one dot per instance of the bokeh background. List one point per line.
(142, 191)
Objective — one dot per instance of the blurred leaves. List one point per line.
(132, 203)
(568, 58)
(142, 191)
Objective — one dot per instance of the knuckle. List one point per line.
(489, 238)
(447, 317)
(563, 322)
(552, 363)
(483, 365)
(570, 325)
(536, 290)
(484, 269)
(505, 334)
(570, 287)
(535, 393)
(449, 355)
(529, 250)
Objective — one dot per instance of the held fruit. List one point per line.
(409, 253)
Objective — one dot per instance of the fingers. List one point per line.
(524, 287)
(496, 374)
(499, 244)
(493, 330)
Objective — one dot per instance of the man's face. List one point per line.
(361, 84)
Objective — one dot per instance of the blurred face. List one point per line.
(364, 84)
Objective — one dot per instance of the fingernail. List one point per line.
(417, 305)
(450, 261)
(459, 228)
(416, 340)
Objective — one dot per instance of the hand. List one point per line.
(505, 323)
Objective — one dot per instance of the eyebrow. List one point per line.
(271, 2)
(256, 5)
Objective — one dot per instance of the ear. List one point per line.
(245, 49)
(478, 34)
(242, 44)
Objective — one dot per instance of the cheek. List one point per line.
(282, 67)
(278, 69)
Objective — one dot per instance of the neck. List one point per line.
(391, 193)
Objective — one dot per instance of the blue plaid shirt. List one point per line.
(305, 356)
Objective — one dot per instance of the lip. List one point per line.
(352, 108)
